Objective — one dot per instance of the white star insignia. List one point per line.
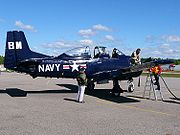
(74, 66)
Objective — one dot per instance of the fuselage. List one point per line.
(98, 69)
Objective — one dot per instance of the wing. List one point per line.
(128, 72)
(146, 65)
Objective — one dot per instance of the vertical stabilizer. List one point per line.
(17, 49)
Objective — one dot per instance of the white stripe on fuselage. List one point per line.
(56, 67)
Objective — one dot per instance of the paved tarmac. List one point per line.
(46, 106)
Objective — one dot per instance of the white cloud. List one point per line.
(93, 31)
(61, 44)
(156, 52)
(25, 26)
(162, 51)
(86, 42)
(101, 27)
(166, 49)
(164, 38)
(109, 37)
(171, 38)
(151, 39)
(57, 47)
(165, 46)
(86, 33)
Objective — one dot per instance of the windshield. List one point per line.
(79, 51)
(98, 50)
(119, 52)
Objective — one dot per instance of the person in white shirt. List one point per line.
(135, 57)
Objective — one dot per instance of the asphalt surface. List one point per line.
(46, 106)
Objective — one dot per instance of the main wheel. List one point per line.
(115, 91)
(90, 86)
(116, 94)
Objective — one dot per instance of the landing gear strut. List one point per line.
(116, 90)
(130, 87)
(90, 85)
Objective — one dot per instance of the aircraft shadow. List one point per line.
(137, 97)
(102, 94)
(99, 93)
(105, 95)
(69, 86)
(2, 91)
(15, 92)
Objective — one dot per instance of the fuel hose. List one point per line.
(169, 89)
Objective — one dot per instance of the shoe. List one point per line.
(155, 83)
(157, 89)
(82, 102)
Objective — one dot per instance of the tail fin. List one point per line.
(17, 49)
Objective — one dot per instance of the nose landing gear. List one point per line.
(130, 87)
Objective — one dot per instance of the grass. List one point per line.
(174, 75)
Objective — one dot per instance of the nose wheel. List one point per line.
(130, 87)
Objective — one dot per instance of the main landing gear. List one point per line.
(90, 85)
(117, 90)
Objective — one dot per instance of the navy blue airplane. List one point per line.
(100, 68)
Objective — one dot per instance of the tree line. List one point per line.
(176, 61)
(1, 59)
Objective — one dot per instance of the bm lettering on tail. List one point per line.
(15, 45)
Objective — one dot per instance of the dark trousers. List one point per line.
(156, 76)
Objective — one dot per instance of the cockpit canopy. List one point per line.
(116, 53)
(101, 52)
(84, 53)
(78, 53)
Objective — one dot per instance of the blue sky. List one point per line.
(52, 27)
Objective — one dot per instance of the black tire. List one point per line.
(116, 92)
(90, 86)
(130, 88)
